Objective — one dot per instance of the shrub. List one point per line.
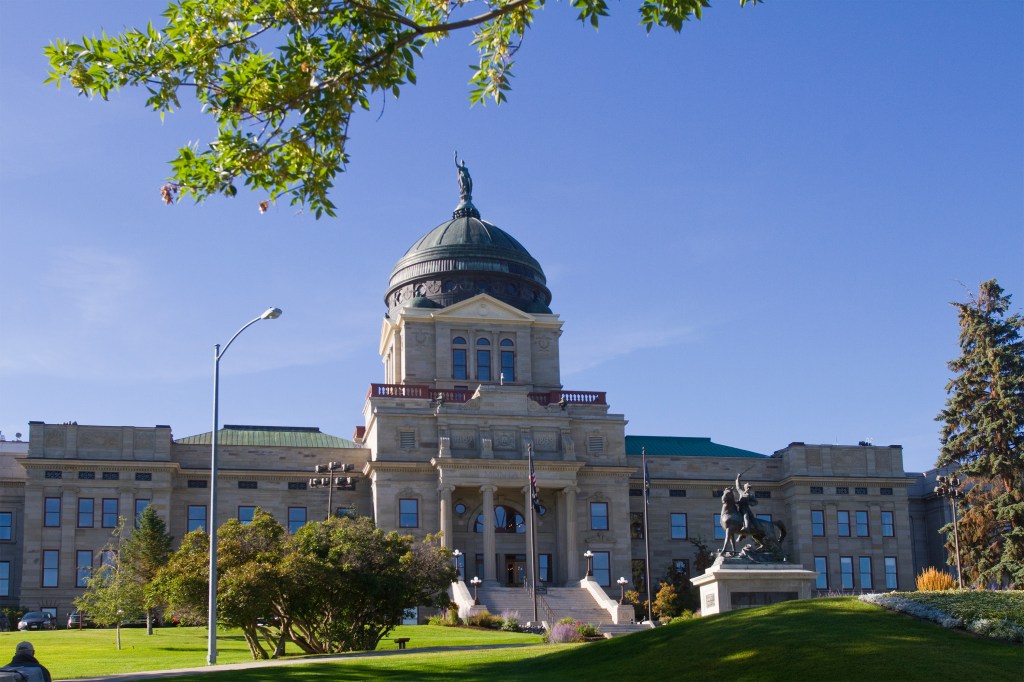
(510, 621)
(685, 616)
(448, 618)
(587, 630)
(666, 603)
(568, 620)
(484, 619)
(934, 580)
(563, 633)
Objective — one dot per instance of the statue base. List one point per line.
(735, 583)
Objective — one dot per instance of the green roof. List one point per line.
(270, 436)
(683, 446)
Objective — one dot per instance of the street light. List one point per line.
(590, 563)
(622, 590)
(458, 575)
(332, 483)
(211, 644)
(950, 487)
(475, 582)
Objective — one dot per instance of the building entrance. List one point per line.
(515, 570)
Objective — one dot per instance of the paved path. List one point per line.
(169, 674)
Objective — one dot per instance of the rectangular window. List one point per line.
(843, 523)
(681, 567)
(296, 485)
(636, 525)
(821, 568)
(636, 492)
(109, 512)
(483, 365)
(86, 512)
(862, 524)
(544, 568)
(53, 474)
(83, 567)
(460, 567)
(639, 568)
(345, 512)
(890, 573)
(51, 512)
(478, 564)
(87, 475)
(860, 491)
(408, 513)
(248, 485)
(196, 483)
(140, 506)
(718, 530)
(885, 491)
(817, 523)
(143, 476)
(676, 492)
(111, 476)
(888, 527)
(245, 514)
(602, 569)
(842, 490)
(51, 567)
(598, 516)
(865, 573)
(508, 365)
(846, 571)
(817, 490)
(5, 578)
(679, 526)
(296, 519)
(196, 517)
(459, 364)
(107, 558)
(762, 494)
(767, 518)
(6, 525)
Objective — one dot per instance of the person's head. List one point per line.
(25, 648)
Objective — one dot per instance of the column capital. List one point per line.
(488, 488)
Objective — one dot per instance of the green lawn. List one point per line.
(825, 639)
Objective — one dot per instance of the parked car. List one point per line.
(37, 620)
(76, 620)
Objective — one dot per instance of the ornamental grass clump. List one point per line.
(933, 580)
(484, 619)
(563, 633)
(510, 621)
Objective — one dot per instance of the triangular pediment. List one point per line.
(482, 307)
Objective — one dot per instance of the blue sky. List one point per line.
(752, 230)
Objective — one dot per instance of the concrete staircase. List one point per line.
(553, 605)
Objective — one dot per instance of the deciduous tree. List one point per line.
(983, 425)
(144, 553)
(282, 78)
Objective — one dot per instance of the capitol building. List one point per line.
(471, 384)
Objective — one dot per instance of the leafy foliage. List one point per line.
(113, 593)
(144, 553)
(282, 78)
(983, 430)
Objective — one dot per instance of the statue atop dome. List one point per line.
(465, 182)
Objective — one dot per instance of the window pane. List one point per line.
(483, 365)
(109, 513)
(818, 523)
(862, 524)
(599, 516)
(85, 512)
(843, 522)
(821, 567)
(6, 525)
(5, 578)
(51, 518)
(140, 506)
(846, 569)
(865, 573)
(459, 363)
(51, 566)
(887, 525)
(602, 570)
(890, 573)
(679, 526)
(719, 531)
(245, 514)
(508, 365)
(408, 514)
(544, 567)
(296, 518)
(83, 567)
(196, 517)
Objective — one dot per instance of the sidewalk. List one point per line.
(326, 658)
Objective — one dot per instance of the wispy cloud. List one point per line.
(598, 348)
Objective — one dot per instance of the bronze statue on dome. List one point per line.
(465, 182)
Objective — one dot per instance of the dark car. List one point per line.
(37, 620)
(76, 620)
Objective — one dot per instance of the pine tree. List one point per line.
(145, 552)
(983, 422)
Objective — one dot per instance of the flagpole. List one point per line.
(647, 536)
(533, 532)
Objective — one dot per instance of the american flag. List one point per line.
(533, 481)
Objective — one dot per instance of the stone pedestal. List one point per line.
(733, 583)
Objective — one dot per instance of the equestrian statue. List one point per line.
(738, 522)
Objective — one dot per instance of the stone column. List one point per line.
(446, 515)
(571, 545)
(488, 512)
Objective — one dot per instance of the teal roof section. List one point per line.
(270, 436)
(683, 446)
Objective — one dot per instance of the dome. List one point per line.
(463, 257)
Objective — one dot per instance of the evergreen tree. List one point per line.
(983, 421)
(144, 553)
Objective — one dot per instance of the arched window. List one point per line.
(483, 359)
(508, 359)
(506, 520)
(459, 358)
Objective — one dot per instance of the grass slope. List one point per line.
(825, 639)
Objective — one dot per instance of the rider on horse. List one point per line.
(744, 501)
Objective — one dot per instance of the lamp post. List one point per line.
(590, 563)
(622, 589)
(332, 483)
(211, 644)
(475, 582)
(458, 575)
(950, 487)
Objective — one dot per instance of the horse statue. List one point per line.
(767, 534)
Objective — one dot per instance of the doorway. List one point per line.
(515, 570)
